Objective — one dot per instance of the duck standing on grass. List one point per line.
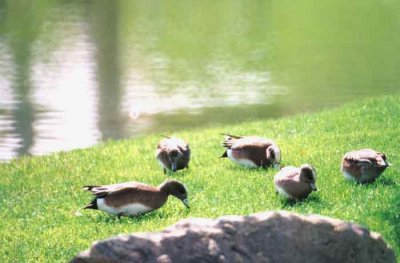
(296, 183)
(173, 154)
(363, 166)
(134, 198)
(251, 151)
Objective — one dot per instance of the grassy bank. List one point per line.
(41, 197)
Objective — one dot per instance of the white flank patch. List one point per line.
(244, 162)
(131, 209)
(162, 164)
(282, 192)
(348, 176)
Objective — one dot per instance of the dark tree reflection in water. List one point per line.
(74, 73)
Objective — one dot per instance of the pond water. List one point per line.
(73, 73)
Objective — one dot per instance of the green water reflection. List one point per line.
(73, 73)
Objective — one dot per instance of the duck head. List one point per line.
(274, 156)
(174, 155)
(177, 189)
(308, 175)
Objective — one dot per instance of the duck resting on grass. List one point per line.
(134, 198)
(251, 151)
(296, 183)
(173, 154)
(363, 166)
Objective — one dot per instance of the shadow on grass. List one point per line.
(179, 173)
(386, 181)
(313, 199)
(236, 168)
(378, 182)
(113, 219)
(392, 216)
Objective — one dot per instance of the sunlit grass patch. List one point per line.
(41, 197)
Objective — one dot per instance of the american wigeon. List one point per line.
(134, 198)
(364, 165)
(251, 151)
(296, 183)
(173, 154)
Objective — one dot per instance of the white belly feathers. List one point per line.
(244, 162)
(131, 209)
(282, 192)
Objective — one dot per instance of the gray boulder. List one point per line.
(264, 237)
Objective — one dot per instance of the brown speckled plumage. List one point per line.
(363, 165)
(296, 183)
(251, 150)
(173, 154)
(119, 195)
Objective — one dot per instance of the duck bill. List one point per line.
(313, 187)
(173, 167)
(186, 202)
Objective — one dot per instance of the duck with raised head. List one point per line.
(363, 166)
(173, 154)
(251, 151)
(134, 198)
(296, 183)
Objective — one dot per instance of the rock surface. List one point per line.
(264, 237)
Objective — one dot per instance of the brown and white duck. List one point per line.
(173, 154)
(134, 198)
(296, 183)
(363, 166)
(251, 151)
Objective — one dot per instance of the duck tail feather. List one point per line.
(92, 205)
(89, 187)
(232, 136)
(224, 155)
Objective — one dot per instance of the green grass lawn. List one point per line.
(41, 197)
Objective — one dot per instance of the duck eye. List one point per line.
(271, 153)
(181, 190)
(309, 176)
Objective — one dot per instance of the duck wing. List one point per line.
(230, 140)
(133, 194)
(288, 173)
(104, 190)
(251, 143)
(366, 157)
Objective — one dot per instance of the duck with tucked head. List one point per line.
(173, 154)
(134, 198)
(251, 151)
(363, 166)
(296, 183)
